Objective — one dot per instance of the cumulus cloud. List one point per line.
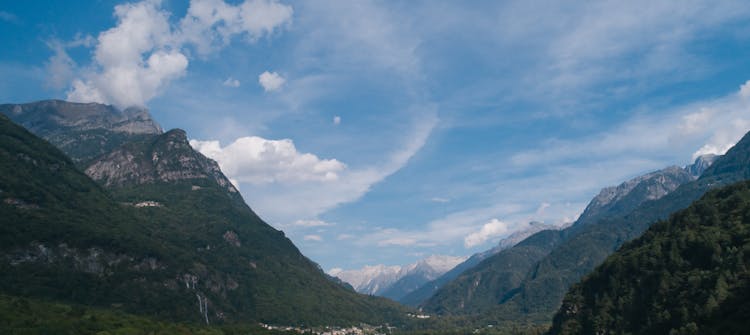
(271, 81)
(489, 230)
(138, 58)
(745, 90)
(288, 185)
(231, 82)
(336, 120)
(256, 160)
(59, 67)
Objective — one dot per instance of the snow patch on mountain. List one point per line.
(376, 279)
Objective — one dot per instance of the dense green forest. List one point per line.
(685, 275)
(25, 316)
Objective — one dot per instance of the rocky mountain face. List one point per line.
(623, 198)
(396, 281)
(528, 281)
(165, 157)
(424, 292)
(420, 273)
(701, 164)
(82, 130)
(163, 233)
(371, 279)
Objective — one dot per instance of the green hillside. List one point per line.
(194, 243)
(686, 275)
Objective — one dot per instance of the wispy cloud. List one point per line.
(231, 82)
(9, 17)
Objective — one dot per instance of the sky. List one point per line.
(382, 132)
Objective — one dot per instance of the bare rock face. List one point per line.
(164, 158)
(630, 194)
(50, 115)
(232, 238)
(82, 130)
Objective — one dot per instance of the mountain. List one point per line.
(622, 199)
(418, 296)
(419, 273)
(83, 131)
(542, 291)
(529, 283)
(396, 281)
(371, 279)
(701, 164)
(166, 236)
(685, 275)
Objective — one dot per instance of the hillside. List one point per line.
(688, 274)
(162, 241)
(499, 287)
(424, 292)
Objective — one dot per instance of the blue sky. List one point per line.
(382, 132)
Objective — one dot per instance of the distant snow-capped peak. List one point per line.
(375, 279)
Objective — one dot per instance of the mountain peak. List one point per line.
(83, 131)
(701, 163)
(54, 115)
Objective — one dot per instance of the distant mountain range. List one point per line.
(396, 281)
(152, 227)
(424, 292)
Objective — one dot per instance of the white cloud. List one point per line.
(210, 24)
(398, 241)
(336, 120)
(135, 60)
(271, 81)
(257, 160)
(60, 66)
(745, 90)
(489, 230)
(288, 185)
(440, 200)
(138, 58)
(311, 223)
(231, 82)
(316, 238)
(342, 237)
(542, 207)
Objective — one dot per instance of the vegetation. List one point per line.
(539, 292)
(685, 275)
(63, 237)
(24, 316)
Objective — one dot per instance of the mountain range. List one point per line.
(152, 227)
(103, 208)
(396, 281)
(424, 292)
(685, 275)
(528, 281)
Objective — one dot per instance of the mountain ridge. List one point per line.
(183, 248)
